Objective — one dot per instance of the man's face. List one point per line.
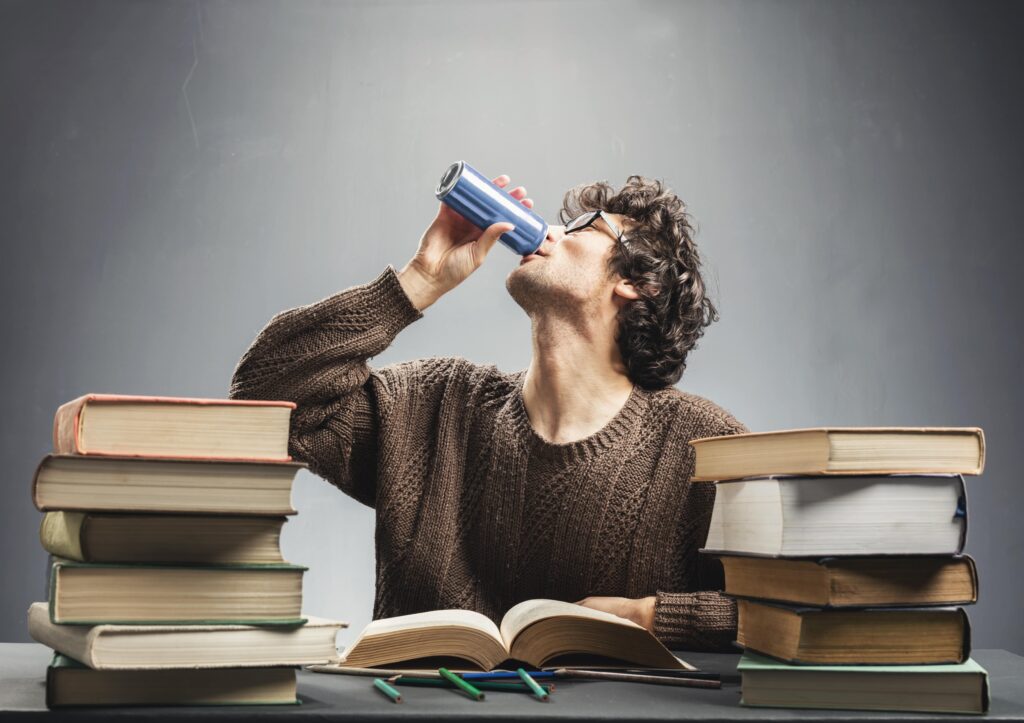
(568, 270)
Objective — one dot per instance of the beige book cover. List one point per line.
(841, 451)
(159, 647)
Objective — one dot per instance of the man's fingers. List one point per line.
(485, 243)
(518, 193)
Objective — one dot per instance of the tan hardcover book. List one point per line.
(841, 450)
(854, 581)
(90, 594)
(129, 484)
(71, 684)
(873, 636)
(182, 539)
(159, 647)
(180, 427)
(534, 631)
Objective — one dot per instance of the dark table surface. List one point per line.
(349, 698)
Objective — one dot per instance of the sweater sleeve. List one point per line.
(316, 356)
(702, 618)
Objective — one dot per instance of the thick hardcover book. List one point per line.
(71, 684)
(960, 688)
(534, 632)
(130, 484)
(841, 450)
(175, 539)
(826, 516)
(89, 594)
(871, 636)
(854, 581)
(159, 647)
(180, 427)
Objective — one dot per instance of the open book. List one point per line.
(535, 631)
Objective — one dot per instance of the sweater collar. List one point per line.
(617, 429)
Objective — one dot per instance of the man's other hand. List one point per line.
(639, 610)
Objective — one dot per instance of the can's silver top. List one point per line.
(449, 179)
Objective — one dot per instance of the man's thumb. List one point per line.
(490, 237)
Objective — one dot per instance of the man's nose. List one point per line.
(554, 235)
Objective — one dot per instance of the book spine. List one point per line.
(51, 687)
(73, 641)
(961, 513)
(66, 426)
(967, 635)
(53, 593)
(35, 483)
(974, 576)
(61, 534)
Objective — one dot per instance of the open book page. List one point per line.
(461, 634)
(432, 619)
(541, 631)
(528, 612)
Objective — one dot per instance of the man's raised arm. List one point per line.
(316, 355)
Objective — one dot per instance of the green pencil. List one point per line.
(532, 685)
(387, 690)
(461, 684)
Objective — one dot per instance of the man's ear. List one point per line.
(626, 290)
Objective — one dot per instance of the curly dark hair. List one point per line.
(657, 330)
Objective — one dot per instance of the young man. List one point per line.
(569, 480)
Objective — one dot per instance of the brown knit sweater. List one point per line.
(474, 509)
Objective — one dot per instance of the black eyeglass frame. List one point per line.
(593, 216)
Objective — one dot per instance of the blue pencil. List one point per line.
(499, 674)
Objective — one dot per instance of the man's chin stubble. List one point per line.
(532, 290)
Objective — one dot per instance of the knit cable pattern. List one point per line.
(474, 509)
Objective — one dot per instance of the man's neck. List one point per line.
(576, 382)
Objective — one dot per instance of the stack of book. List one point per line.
(843, 547)
(163, 517)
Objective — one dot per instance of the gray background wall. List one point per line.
(175, 173)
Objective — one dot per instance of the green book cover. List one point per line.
(754, 663)
(60, 661)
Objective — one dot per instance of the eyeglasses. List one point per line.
(589, 218)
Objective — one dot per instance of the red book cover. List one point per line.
(67, 420)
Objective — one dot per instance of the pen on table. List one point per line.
(637, 678)
(532, 685)
(666, 672)
(462, 685)
(693, 674)
(387, 690)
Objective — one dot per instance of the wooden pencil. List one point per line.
(637, 678)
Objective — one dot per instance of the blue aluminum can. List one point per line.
(482, 203)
